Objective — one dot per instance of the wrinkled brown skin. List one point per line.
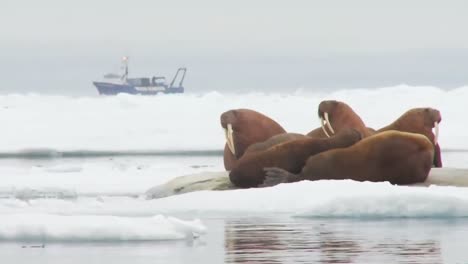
(273, 141)
(397, 157)
(249, 127)
(341, 116)
(290, 155)
(421, 121)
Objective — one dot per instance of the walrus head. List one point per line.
(335, 116)
(423, 121)
(432, 119)
(243, 127)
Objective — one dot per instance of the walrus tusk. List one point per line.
(436, 138)
(229, 139)
(323, 126)
(328, 123)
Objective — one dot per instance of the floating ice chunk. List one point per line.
(45, 228)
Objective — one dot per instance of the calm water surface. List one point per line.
(271, 240)
(266, 240)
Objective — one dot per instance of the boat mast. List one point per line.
(125, 66)
(183, 70)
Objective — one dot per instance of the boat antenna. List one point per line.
(125, 65)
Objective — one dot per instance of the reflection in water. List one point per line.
(335, 249)
(301, 241)
(412, 251)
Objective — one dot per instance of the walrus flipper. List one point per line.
(275, 176)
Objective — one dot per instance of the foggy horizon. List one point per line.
(53, 47)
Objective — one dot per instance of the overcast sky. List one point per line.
(61, 46)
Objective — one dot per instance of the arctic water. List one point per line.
(75, 171)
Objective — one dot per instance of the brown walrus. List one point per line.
(336, 116)
(244, 127)
(342, 115)
(273, 141)
(421, 121)
(290, 155)
(393, 156)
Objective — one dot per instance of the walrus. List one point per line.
(421, 121)
(397, 157)
(335, 116)
(343, 117)
(244, 127)
(273, 141)
(290, 155)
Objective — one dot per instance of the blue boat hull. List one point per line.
(114, 89)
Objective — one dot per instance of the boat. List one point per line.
(116, 83)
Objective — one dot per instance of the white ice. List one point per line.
(69, 199)
(310, 199)
(44, 228)
(119, 176)
(191, 121)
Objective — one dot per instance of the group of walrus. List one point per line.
(260, 153)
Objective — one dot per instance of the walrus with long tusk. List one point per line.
(421, 121)
(290, 155)
(393, 156)
(242, 128)
(336, 116)
(342, 115)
